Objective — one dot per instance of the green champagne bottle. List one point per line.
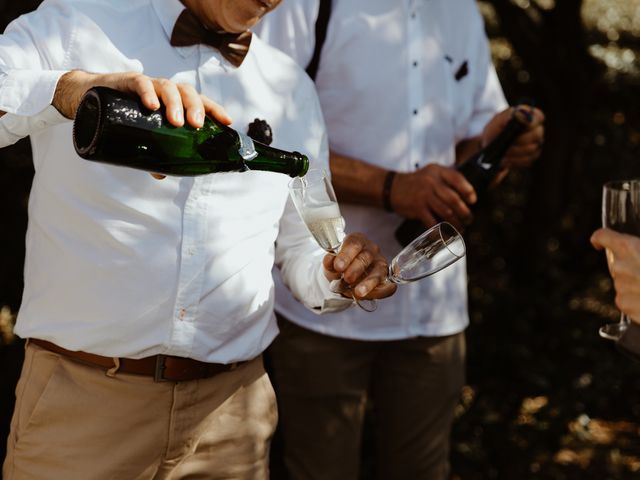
(114, 127)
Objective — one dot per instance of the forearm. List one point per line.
(356, 181)
(69, 90)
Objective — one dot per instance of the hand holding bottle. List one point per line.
(512, 138)
(527, 146)
(433, 193)
(182, 102)
(116, 128)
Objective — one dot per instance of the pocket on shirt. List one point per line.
(459, 79)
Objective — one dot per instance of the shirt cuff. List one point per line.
(28, 92)
(14, 127)
(332, 302)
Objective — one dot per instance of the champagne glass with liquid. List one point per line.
(620, 212)
(317, 205)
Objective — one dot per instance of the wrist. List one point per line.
(386, 190)
(69, 91)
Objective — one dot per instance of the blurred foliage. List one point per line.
(546, 397)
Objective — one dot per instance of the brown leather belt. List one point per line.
(160, 367)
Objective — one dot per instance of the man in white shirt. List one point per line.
(148, 303)
(407, 89)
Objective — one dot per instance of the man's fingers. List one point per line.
(192, 105)
(460, 184)
(172, 100)
(216, 111)
(359, 266)
(143, 87)
(375, 277)
(533, 136)
(604, 238)
(382, 290)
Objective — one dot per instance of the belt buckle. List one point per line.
(158, 375)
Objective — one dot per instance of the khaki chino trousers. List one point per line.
(72, 421)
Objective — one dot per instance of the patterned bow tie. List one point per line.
(188, 30)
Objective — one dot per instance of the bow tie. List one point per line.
(188, 30)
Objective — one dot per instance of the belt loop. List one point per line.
(113, 370)
(160, 367)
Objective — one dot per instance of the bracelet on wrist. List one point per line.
(386, 190)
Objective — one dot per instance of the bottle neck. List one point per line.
(251, 153)
(498, 147)
(272, 159)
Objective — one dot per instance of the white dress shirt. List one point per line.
(388, 89)
(121, 264)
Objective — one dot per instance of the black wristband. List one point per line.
(386, 190)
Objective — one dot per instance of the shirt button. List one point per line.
(415, 112)
(191, 251)
(415, 64)
(413, 14)
(182, 314)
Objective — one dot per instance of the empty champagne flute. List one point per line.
(317, 205)
(620, 212)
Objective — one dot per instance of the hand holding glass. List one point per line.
(620, 212)
(316, 202)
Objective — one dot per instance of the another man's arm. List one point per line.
(433, 192)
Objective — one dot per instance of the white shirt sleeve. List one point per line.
(488, 97)
(33, 51)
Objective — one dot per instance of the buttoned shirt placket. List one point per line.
(193, 256)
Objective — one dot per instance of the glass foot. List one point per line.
(341, 287)
(612, 331)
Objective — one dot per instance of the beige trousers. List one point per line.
(323, 385)
(71, 421)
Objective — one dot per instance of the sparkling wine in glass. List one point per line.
(326, 224)
(620, 212)
(317, 204)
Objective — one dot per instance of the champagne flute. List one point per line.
(316, 202)
(435, 249)
(620, 212)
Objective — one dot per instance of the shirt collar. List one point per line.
(168, 12)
